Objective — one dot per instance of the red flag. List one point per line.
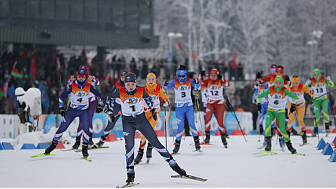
(194, 55)
(179, 46)
(32, 74)
(58, 64)
(234, 65)
(3, 90)
(15, 72)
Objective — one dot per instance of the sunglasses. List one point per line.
(81, 76)
(181, 75)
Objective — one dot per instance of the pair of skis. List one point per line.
(273, 153)
(130, 184)
(76, 150)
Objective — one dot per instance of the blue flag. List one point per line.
(44, 96)
(11, 93)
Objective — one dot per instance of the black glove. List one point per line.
(292, 108)
(195, 81)
(155, 116)
(219, 76)
(105, 109)
(62, 111)
(259, 107)
(286, 77)
(166, 83)
(258, 76)
(202, 73)
(112, 119)
(99, 109)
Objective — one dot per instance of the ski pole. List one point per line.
(197, 111)
(332, 108)
(165, 127)
(230, 106)
(116, 129)
(315, 122)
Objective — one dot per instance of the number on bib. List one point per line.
(183, 94)
(80, 100)
(319, 90)
(214, 93)
(133, 108)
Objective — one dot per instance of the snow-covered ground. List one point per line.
(234, 167)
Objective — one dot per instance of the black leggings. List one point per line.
(140, 122)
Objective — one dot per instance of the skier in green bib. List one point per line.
(318, 84)
(277, 99)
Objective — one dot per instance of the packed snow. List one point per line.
(234, 167)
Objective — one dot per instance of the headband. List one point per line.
(130, 78)
(123, 73)
(295, 79)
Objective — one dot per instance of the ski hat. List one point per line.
(214, 71)
(123, 73)
(82, 68)
(272, 68)
(317, 72)
(280, 69)
(182, 72)
(278, 79)
(151, 87)
(81, 76)
(295, 79)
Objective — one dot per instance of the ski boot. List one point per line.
(176, 167)
(77, 143)
(282, 143)
(100, 143)
(207, 137)
(139, 156)
(177, 146)
(85, 149)
(290, 147)
(327, 129)
(51, 147)
(294, 132)
(289, 132)
(130, 174)
(91, 141)
(197, 143)
(268, 143)
(304, 137)
(261, 129)
(149, 151)
(272, 131)
(315, 132)
(223, 137)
